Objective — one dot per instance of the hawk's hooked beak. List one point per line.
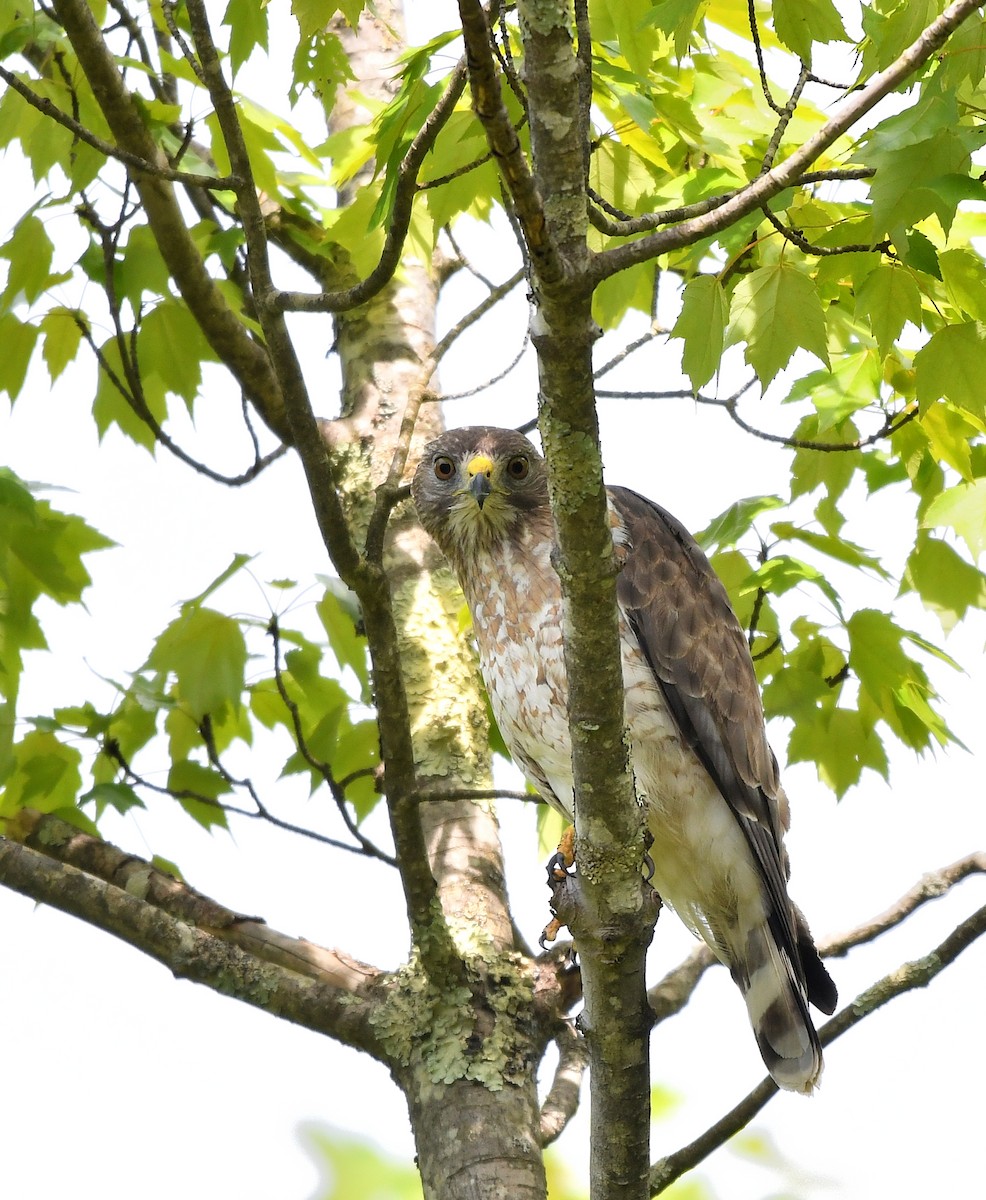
(480, 472)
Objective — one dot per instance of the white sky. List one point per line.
(119, 1080)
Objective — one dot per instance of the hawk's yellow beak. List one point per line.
(480, 472)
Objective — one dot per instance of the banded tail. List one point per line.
(777, 993)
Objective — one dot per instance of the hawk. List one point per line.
(702, 767)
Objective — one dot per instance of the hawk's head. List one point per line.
(479, 485)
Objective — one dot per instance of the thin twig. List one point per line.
(631, 347)
(755, 34)
(786, 113)
(626, 226)
(141, 411)
(798, 239)
(497, 293)
(493, 379)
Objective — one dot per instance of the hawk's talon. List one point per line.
(648, 868)
(550, 932)
(558, 868)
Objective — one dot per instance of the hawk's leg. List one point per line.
(563, 859)
(559, 870)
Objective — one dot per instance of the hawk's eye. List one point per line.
(444, 468)
(518, 467)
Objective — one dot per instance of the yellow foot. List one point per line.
(564, 857)
(550, 932)
(559, 868)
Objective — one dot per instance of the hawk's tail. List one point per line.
(778, 1008)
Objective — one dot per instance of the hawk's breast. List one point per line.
(701, 863)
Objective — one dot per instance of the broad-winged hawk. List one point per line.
(701, 762)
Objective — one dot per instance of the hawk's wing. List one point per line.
(689, 634)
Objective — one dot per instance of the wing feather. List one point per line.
(678, 609)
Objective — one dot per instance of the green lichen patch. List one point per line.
(480, 1030)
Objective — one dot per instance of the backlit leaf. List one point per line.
(953, 365)
(776, 310)
(62, 336)
(206, 653)
(702, 325)
(729, 526)
(962, 508)
(890, 298)
(800, 23)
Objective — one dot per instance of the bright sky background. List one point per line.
(120, 1081)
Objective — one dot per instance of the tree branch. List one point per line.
(562, 1100)
(929, 887)
(326, 991)
(618, 258)
(915, 974)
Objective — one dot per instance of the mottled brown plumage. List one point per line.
(701, 761)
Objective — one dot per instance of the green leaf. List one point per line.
(50, 547)
(320, 66)
(247, 21)
(946, 583)
(891, 683)
(626, 290)
(919, 253)
(206, 653)
(950, 437)
(890, 298)
(111, 407)
(841, 744)
(339, 612)
(702, 326)
(171, 346)
(677, 18)
(191, 776)
(17, 339)
(62, 336)
(963, 276)
(45, 775)
(907, 185)
(142, 269)
(237, 565)
(776, 310)
(118, 796)
(953, 364)
(30, 251)
(800, 23)
(835, 547)
(782, 572)
(729, 526)
(962, 508)
(166, 866)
